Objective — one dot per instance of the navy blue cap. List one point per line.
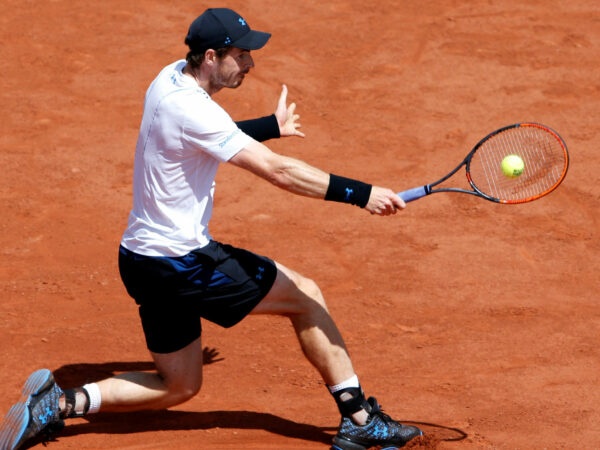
(222, 27)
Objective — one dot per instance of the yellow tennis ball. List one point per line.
(512, 166)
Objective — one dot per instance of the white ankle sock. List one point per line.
(351, 382)
(95, 397)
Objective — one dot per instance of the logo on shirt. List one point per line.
(228, 138)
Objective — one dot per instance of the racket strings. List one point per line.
(542, 151)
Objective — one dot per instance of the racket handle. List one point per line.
(413, 194)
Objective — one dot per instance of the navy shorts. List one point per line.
(219, 283)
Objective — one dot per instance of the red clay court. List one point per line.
(476, 321)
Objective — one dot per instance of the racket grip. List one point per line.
(413, 194)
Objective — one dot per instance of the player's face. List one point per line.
(232, 68)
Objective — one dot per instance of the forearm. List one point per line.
(303, 179)
(282, 171)
(299, 178)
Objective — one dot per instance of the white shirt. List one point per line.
(183, 138)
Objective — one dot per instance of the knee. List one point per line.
(292, 295)
(181, 392)
(310, 296)
(310, 288)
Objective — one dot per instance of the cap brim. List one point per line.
(253, 40)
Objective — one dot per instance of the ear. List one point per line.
(210, 56)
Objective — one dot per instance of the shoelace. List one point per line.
(376, 410)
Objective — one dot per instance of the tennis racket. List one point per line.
(542, 150)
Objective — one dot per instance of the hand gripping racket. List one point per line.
(542, 150)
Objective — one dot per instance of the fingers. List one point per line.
(292, 124)
(291, 108)
(298, 132)
(398, 202)
(384, 202)
(286, 116)
(385, 210)
(283, 97)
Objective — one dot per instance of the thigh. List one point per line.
(291, 293)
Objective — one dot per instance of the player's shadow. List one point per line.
(144, 421)
(139, 422)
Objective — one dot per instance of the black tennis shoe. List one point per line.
(381, 430)
(35, 414)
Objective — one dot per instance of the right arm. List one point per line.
(298, 177)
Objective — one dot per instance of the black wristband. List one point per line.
(347, 190)
(261, 129)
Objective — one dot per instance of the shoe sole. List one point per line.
(340, 443)
(17, 419)
(352, 446)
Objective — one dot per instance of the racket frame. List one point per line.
(421, 191)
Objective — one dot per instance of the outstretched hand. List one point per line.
(286, 117)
